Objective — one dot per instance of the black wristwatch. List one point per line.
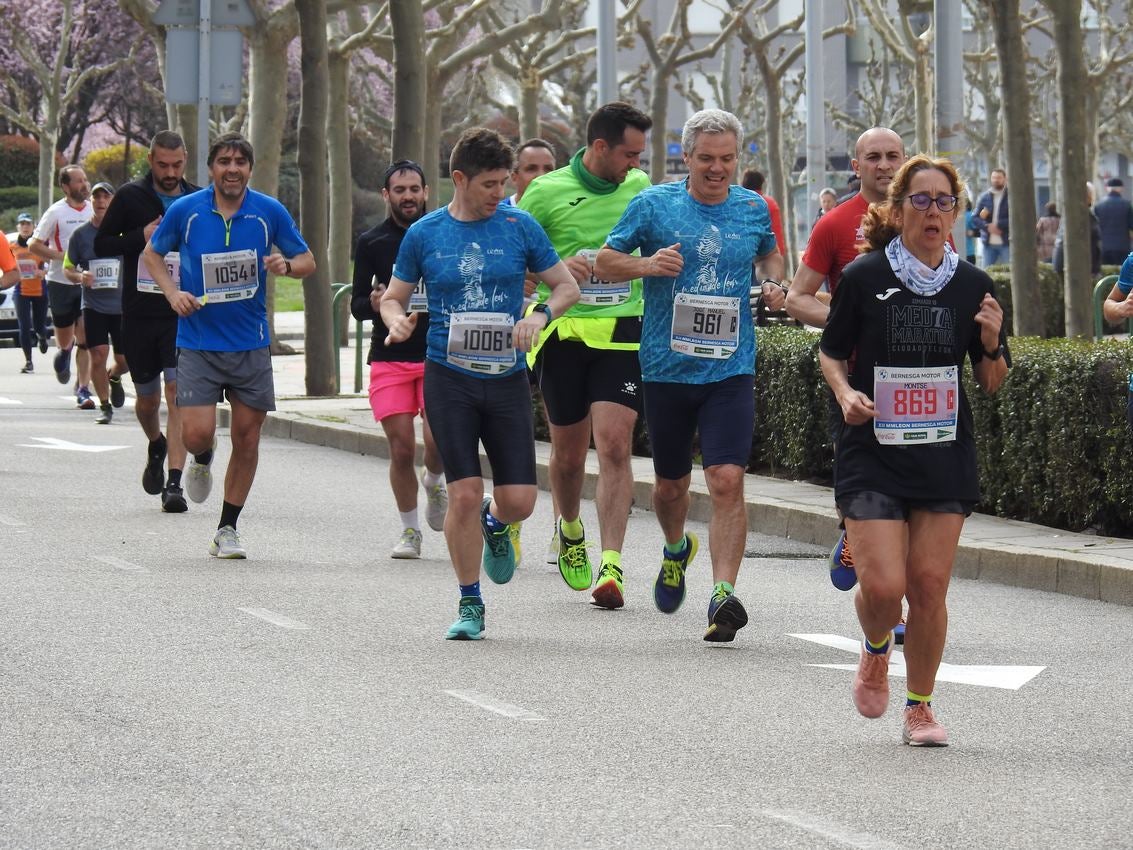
(994, 355)
(773, 283)
(287, 267)
(545, 310)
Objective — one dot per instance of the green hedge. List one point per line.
(1054, 445)
(1050, 290)
(20, 198)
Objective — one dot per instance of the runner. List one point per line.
(472, 256)
(699, 240)
(31, 297)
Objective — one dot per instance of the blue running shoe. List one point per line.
(669, 588)
(62, 364)
(499, 555)
(841, 562)
(469, 623)
(726, 616)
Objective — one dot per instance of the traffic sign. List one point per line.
(186, 13)
(226, 66)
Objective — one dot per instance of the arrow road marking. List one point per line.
(982, 675)
(4, 400)
(67, 446)
(489, 704)
(275, 619)
(829, 830)
(119, 564)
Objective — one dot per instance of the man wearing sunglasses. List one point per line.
(397, 370)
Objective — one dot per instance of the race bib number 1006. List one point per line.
(481, 342)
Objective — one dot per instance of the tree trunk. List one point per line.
(432, 140)
(411, 88)
(320, 352)
(659, 112)
(776, 169)
(1026, 295)
(530, 86)
(1072, 127)
(924, 99)
(341, 182)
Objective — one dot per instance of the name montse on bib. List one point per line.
(915, 405)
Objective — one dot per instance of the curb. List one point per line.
(1088, 575)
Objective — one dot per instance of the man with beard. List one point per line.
(224, 236)
(49, 242)
(149, 325)
(397, 369)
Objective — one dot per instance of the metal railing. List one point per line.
(1101, 293)
(342, 290)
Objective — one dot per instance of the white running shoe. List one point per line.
(226, 544)
(198, 477)
(409, 546)
(553, 546)
(437, 505)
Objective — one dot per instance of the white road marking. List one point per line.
(830, 831)
(489, 704)
(4, 400)
(67, 445)
(275, 619)
(1009, 678)
(11, 521)
(119, 564)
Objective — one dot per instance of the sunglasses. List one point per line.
(921, 202)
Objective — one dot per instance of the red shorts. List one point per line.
(396, 388)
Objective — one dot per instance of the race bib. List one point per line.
(481, 342)
(146, 283)
(105, 273)
(601, 292)
(230, 275)
(29, 269)
(705, 325)
(418, 299)
(915, 406)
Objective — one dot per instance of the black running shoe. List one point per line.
(173, 499)
(117, 393)
(726, 616)
(154, 475)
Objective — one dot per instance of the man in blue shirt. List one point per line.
(699, 241)
(224, 236)
(472, 257)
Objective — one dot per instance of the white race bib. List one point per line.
(105, 273)
(601, 292)
(481, 342)
(705, 325)
(419, 299)
(230, 275)
(29, 269)
(146, 283)
(915, 406)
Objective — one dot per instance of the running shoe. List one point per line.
(553, 546)
(574, 563)
(920, 728)
(105, 414)
(62, 364)
(42, 343)
(726, 616)
(117, 393)
(609, 591)
(198, 477)
(469, 623)
(84, 399)
(871, 684)
(842, 573)
(409, 546)
(173, 499)
(226, 544)
(899, 633)
(669, 588)
(516, 545)
(437, 504)
(499, 556)
(154, 472)
(28, 368)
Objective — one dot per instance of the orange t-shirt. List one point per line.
(31, 270)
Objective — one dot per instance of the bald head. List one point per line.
(877, 156)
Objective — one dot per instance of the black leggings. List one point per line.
(29, 307)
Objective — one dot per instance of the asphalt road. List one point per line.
(152, 696)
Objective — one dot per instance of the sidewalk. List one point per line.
(991, 549)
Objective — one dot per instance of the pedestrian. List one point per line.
(30, 297)
(699, 240)
(909, 312)
(49, 242)
(397, 370)
(1059, 255)
(753, 179)
(1046, 229)
(149, 324)
(100, 279)
(533, 158)
(224, 236)
(472, 257)
(992, 219)
(585, 363)
(827, 200)
(1115, 218)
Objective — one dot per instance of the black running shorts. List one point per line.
(102, 329)
(869, 504)
(66, 300)
(150, 346)
(572, 376)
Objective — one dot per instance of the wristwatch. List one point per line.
(287, 267)
(994, 355)
(545, 310)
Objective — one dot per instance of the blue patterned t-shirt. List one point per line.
(697, 327)
(472, 267)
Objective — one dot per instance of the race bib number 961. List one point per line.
(705, 325)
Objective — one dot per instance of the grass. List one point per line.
(288, 294)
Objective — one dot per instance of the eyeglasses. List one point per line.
(921, 202)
